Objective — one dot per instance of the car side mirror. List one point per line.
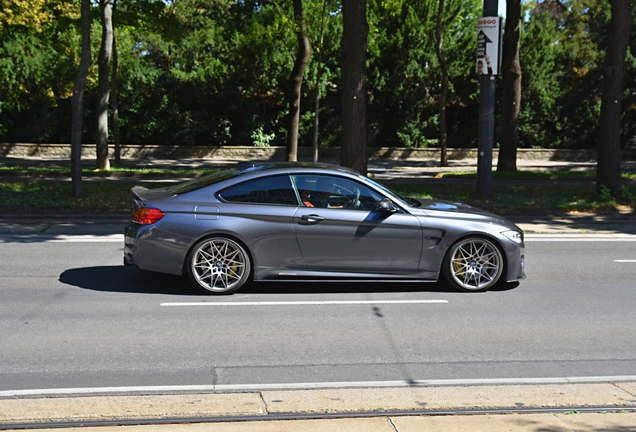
(386, 205)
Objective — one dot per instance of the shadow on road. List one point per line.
(133, 280)
(126, 279)
(610, 223)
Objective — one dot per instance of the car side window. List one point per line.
(324, 191)
(266, 190)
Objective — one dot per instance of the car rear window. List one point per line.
(264, 190)
(201, 182)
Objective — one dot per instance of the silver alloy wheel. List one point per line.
(219, 265)
(474, 264)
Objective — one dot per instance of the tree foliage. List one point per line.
(216, 72)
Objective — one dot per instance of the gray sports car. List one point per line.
(282, 221)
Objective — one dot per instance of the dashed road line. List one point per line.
(531, 238)
(303, 303)
(61, 238)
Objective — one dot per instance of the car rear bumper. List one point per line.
(150, 248)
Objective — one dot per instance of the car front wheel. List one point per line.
(218, 265)
(473, 264)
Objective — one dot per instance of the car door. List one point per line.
(260, 211)
(342, 229)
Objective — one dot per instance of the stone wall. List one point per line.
(133, 151)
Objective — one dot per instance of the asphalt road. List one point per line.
(72, 316)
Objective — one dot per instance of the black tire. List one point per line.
(473, 264)
(218, 265)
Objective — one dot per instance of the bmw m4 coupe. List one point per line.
(316, 222)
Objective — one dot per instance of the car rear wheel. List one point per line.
(473, 264)
(218, 265)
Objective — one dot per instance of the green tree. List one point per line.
(583, 33)
(296, 80)
(561, 53)
(443, 135)
(539, 120)
(609, 158)
(405, 73)
(353, 152)
(39, 47)
(115, 92)
(324, 25)
(103, 87)
(78, 101)
(511, 104)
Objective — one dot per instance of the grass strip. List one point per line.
(41, 196)
(523, 198)
(57, 196)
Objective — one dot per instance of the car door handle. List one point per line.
(312, 218)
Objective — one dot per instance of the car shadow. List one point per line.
(125, 279)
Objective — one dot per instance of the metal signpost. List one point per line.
(487, 66)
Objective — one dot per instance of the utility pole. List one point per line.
(486, 130)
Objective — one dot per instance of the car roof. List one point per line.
(250, 167)
(251, 170)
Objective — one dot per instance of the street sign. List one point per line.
(488, 45)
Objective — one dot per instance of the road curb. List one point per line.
(361, 402)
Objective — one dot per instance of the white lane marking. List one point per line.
(305, 303)
(625, 261)
(62, 238)
(579, 237)
(316, 385)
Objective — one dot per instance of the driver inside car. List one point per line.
(313, 194)
(321, 193)
(331, 194)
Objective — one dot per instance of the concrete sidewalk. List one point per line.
(602, 406)
(391, 170)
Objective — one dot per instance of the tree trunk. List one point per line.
(296, 80)
(103, 86)
(353, 153)
(319, 75)
(114, 91)
(317, 111)
(439, 39)
(608, 173)
(77, 101)
(511, 70)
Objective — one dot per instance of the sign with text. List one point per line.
(488, 45)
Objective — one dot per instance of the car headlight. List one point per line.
(515, 236)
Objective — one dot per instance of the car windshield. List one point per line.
(198, 183)
(405, 201)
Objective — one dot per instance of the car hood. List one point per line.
(451, 209)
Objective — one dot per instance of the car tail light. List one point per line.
(147, 215)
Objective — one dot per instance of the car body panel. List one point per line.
(365, 241)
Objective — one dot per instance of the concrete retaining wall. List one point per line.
(134, 151)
